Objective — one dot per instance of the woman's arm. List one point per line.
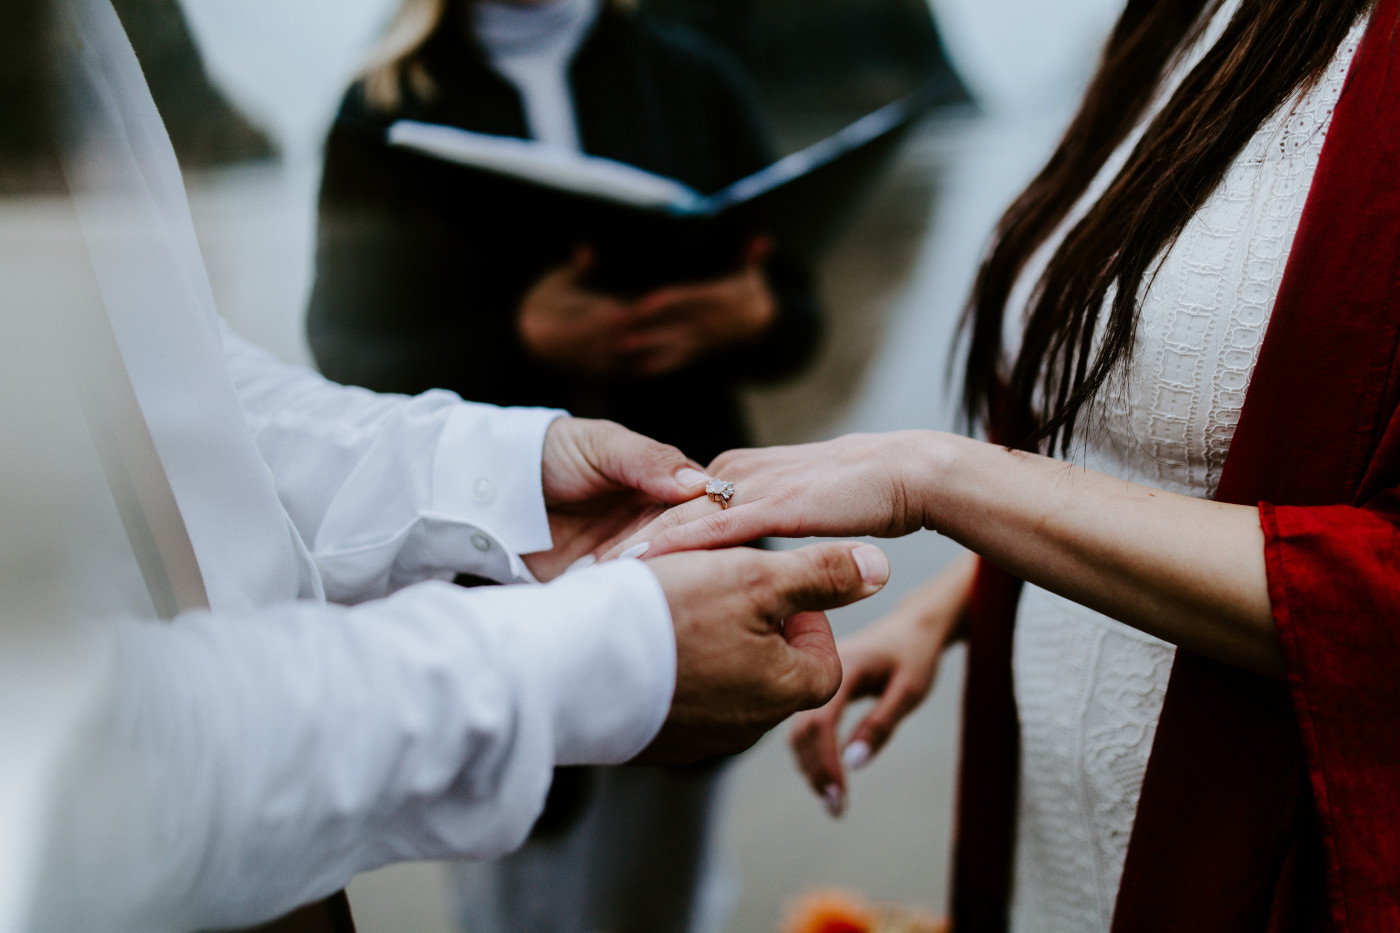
(1189, 571)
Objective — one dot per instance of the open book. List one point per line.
(648, 230)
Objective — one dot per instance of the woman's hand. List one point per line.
(1188, 571)
(894, 660)
(568, 326)
(671, 327)
(859, 484)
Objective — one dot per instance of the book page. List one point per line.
(547, 165)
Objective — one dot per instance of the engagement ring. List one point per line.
(719, 491)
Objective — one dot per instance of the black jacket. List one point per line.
(411, 294)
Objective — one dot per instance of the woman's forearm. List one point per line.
(1189, 571)
(941, 601)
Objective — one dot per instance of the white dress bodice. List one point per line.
(1089, 689)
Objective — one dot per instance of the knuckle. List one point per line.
(877, 732)
(829, 682)
(757, 578)
(837, 570)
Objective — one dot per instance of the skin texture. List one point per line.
(1189, 571)
(568, 326)
(602, 481)
(752, 641)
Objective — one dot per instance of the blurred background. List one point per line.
(248, 91)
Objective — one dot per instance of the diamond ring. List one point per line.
(719, 491)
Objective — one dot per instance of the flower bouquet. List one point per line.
(833, 910)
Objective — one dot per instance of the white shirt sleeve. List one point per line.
(234, 768)
(388, 490)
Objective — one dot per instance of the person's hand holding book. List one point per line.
(673, 326)
(569, 326)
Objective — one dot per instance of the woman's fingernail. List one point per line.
(688, 477)
(856, 755)
(874, 566)
(587, 560)
(834, 800)
(636, 550)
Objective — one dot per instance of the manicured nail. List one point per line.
(688, 477)
(587, 560)
(856, 755)
(834, 800)
(874, 566)
(636, 550)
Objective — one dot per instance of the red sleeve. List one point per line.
(1334, 581)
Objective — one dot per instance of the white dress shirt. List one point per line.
(224, 767)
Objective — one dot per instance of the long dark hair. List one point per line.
(1270, 49)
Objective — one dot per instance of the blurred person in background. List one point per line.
(195, 736)
(407, 279)
(414, 290)
(1181, 697)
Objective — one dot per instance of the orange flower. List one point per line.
(829, 910)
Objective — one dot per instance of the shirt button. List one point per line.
(484, 491)
(481, 542)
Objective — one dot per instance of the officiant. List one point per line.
(426, 278)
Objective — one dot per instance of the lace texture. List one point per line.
(1089, 690)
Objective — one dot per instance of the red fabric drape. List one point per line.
(1270, 806)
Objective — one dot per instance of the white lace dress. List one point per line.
(1089, 690)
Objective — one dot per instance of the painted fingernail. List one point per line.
(834, 800)
(587, 560)
(874, 566)
(636, 550)
(689, 477)
(856, 755)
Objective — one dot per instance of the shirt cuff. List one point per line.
(486, 473)
(612, 667)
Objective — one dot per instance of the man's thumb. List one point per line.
(824, 576)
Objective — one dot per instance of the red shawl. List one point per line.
(1268, 806)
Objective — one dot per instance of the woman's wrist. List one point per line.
(929, 469)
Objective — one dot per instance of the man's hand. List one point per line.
(752, 641)
(602, 481)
